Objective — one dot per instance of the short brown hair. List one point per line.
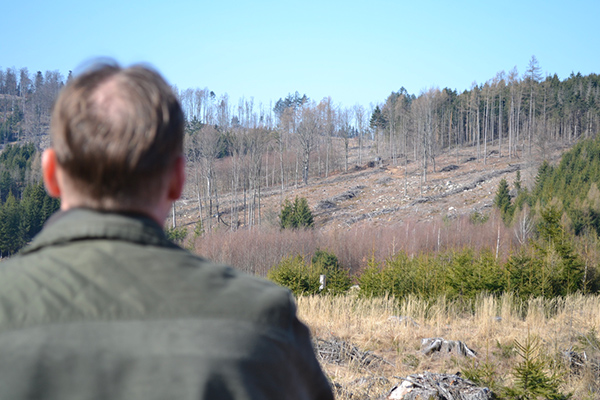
(116, 132)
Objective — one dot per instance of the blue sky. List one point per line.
(353, 51)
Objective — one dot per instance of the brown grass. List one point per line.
(490, 328)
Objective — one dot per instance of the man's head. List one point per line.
(117, 136)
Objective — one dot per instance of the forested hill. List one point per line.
(242, 148)
(24, 204)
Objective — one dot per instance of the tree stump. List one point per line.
(431, 345)
(433, 386)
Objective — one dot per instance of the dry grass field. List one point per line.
(392, 331)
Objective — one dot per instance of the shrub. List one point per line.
(371, 281)
(338, 278)
(176, 235)
(294, 274)
(401, 276)
(303, 279)
(469, 275)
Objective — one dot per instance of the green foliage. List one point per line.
(11, 128)
(23, 207)
(503, 203)
(555, 249)
(378, 120)
(293, 273)
(483, 374)
(371, 281)
(338, 279)
(292, 101)
(176, 235)
(518, 183)
(198, 229)
(550, 266)
(543, 269)
(15, 161)
(478, 218)
(574, 183)
(394, 278)
(532, 379)
(468, 275)
(401, 276)
(296, 215)
(12, 231)
(303, 279)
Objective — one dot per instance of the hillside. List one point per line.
(375, 191)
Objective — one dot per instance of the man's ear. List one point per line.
(177, 180)
(49, 172)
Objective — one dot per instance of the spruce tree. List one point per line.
(502, 201)
(296, 215)
(303, 215)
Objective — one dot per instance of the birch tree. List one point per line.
(307, 134)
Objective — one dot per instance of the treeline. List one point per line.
(517, 113)
(24, 204)
(246, 148)
(25, 103)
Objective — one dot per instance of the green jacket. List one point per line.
(103, 306)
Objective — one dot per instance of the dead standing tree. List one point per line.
(307, 134)
(256, 142)
(210, 146)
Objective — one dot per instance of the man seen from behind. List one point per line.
(102, 306)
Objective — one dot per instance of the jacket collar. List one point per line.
(86, 224)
